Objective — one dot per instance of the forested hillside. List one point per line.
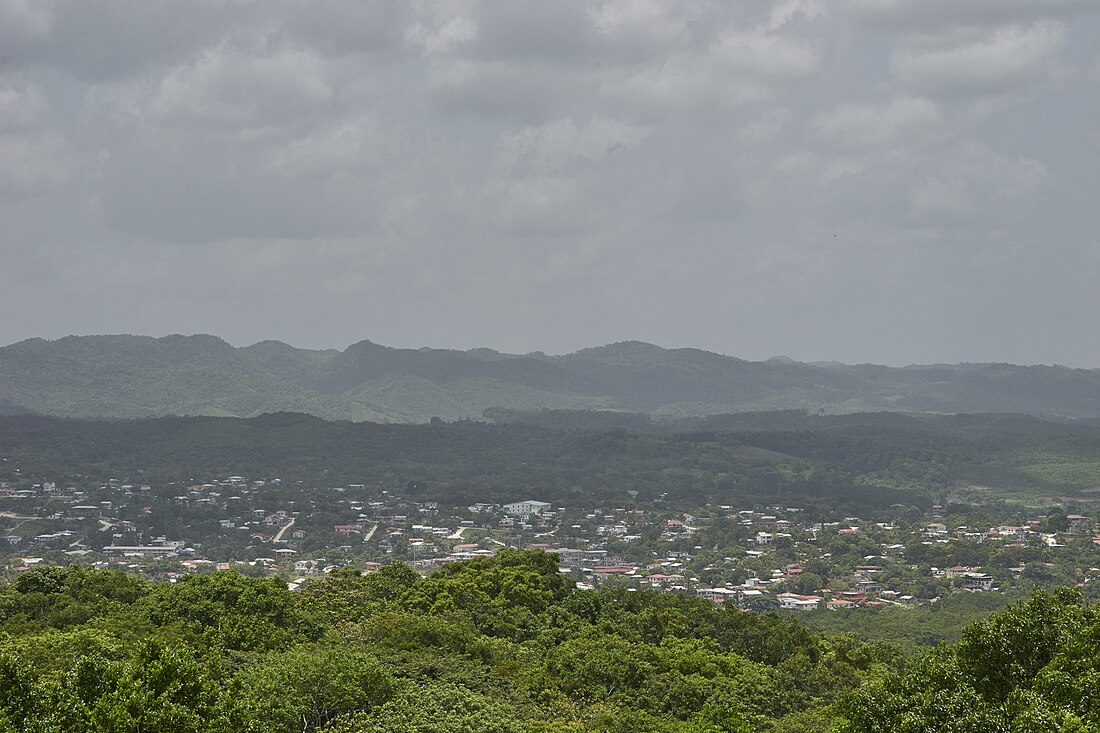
(1034, 668)
(871, 460)
(502, 645)
(140, 376)
(505, 645)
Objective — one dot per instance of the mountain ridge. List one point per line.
(130, 376)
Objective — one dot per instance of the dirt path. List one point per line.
(282, 530)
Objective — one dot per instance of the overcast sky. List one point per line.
(887, 181)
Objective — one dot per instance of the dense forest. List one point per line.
(864, 460)
(505, 645)
(494, 645)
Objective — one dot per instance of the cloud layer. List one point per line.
(862, 180)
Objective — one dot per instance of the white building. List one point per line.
(526, 508)
(792, 602)
(717, 595)
(978, 581)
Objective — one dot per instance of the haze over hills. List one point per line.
(139, 376)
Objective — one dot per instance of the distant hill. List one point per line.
(141, 376)
(10, 408)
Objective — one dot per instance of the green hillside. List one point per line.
(862, 460)
(140, 376)
(507, 645)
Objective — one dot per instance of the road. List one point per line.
(283, 529)
(457, 534)
(368, 535)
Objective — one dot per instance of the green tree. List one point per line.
(1029, 668)
(304, 688)
(231, 611)
(804, 583)
(436, 708)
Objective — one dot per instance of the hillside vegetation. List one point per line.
(505, 645)
(501, 645)
(140, 376)
(857, 461)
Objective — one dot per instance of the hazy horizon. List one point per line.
(421, 347)
(862, 181)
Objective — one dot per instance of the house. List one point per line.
(526, 508)
(160, 547)
(935, 529)
(793, 602)
(606, 571)
(977, 581)
(866, 585)
(1018, 534)
(717, 595)
(1077, 523)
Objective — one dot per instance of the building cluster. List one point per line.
(759, 557)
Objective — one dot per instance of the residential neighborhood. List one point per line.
(761, 558)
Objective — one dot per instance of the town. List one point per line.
(756, 558)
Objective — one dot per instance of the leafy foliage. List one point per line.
(506, 645)
(1028, 668)
(493, 645)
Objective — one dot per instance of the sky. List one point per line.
(886, 181)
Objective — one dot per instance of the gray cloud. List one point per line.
(914, 17)
(1009, 59)
(864, 180)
